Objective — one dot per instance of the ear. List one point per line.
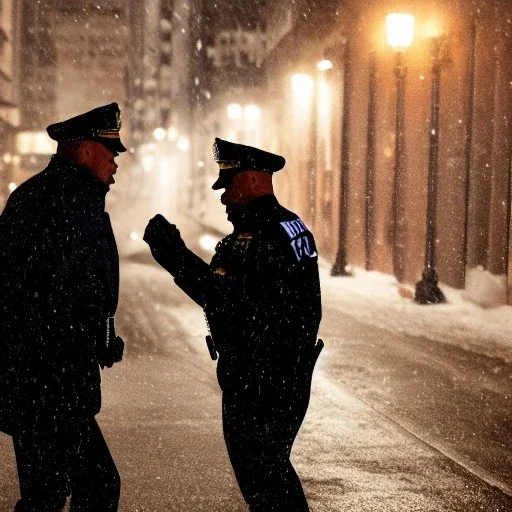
(85, 150)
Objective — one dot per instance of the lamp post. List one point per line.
(340, 267)
(427, 290)
(370, 163)
(400, 34)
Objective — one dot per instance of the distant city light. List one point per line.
(252, 113)
(159, 133)
(183, 144)
(400, 30)
(234, 111)
(172, 133)
(148, 162)
(324, 65)
(208, 242)
(302, 85)
(12, 187)
(433, 29)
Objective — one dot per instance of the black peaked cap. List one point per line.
(238, 158)
(101, 124)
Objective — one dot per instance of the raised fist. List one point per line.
(162, 235)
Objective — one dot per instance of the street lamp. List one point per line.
(319, 162)
(400, 34)
(427, 290)
(303, 105)
(324, 65)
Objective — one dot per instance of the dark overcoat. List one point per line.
(261, 295)
(59, 271)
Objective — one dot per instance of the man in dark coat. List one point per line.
(59, 283)
(261, 296)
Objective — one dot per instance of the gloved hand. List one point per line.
(165, 242)
(113, 353)
(163, 235)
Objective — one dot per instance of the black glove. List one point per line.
(165, 242)
(113, 353)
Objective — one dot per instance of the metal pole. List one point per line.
(469, 144)
(370, 164)
(509, 234)
(398, 216)
(427, 290)
(312, 160)
(340, 265)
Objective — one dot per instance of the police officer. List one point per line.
(58, 294)
(261, 296)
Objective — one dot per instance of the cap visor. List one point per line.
(225, 177)
(220, 183)
(114, 145)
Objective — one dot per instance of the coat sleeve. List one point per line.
(193, 276)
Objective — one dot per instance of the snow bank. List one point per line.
(377, 299)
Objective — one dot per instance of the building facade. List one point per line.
(90, 40)
(72, 59)
(357, 131)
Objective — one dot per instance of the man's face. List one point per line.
(237, 192)
(99, 160)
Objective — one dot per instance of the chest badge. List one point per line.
(220, 271)
(242, 242)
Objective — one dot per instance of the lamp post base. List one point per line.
(340, 268)
(427, 290)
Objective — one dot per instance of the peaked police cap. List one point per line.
(101, 124)
(235, 158)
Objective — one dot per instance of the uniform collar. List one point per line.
(80, 178)
(255, 212)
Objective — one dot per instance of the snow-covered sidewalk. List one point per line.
(375, 298)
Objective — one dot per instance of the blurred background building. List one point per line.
(396, 130)
(10, 43)
(71, 58)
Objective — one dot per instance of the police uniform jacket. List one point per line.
(261, 296)
(60, 276)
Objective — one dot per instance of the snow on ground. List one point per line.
(375, 298)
